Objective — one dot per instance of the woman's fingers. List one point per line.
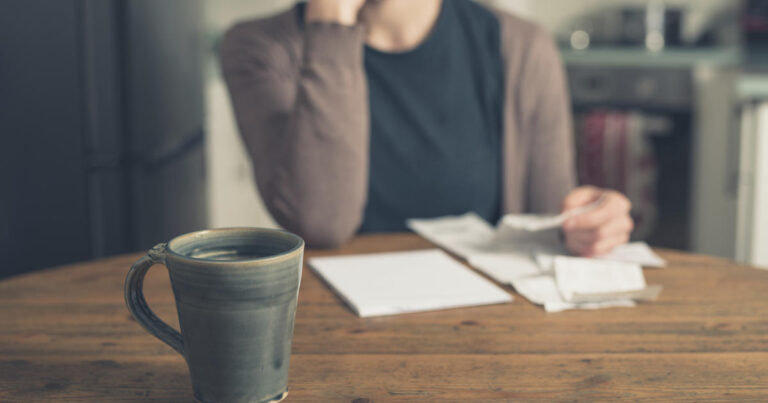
(614, 205)
(601, 247)
(581, 196)
(598, 230)
(620, 225)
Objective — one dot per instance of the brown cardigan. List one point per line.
(300, 97)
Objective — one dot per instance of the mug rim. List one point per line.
(287, 254)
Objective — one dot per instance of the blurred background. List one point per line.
(116, 131)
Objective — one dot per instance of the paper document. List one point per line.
(462, 235)
(400, 282)
(524, 251)
(648, 293)
(539, 222)
(635, 252)
(505, 267)
(542, 290)
(590, 276)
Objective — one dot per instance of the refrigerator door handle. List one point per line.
(156, 158)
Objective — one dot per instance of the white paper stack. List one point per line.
(391, 283)
(525, 251)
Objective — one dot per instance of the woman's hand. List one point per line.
(340, 11)
(597, 231)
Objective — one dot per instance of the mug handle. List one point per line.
(134, 299)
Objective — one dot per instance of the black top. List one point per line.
(436, 122)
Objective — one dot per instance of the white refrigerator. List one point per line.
(730, 190)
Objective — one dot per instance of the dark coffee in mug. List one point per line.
(236, 291)
(225, 254)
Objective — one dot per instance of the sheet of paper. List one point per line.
(522, 272)
(400, 282)
(532, 222)
(505, 267)
(462, 235)
(591, 276)
(468, 234)
(543, 290)
(538, 289)
(635, 252)
(649, 293)
(564, 306)
(540, 222)
(546, 261)
(535, 231)
(522, 251)
(472, 238)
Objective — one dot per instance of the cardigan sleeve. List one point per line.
(547, 121)
(304, 121)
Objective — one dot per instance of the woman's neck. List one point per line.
(399, 25)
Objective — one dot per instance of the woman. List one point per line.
(360, 114)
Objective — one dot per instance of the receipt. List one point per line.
(539, 222)
(590, 280)
(463, 235)
(505, 267)
(542, 231)
(526, 251)
(543, 290)
(633, 252)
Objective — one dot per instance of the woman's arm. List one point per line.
(304, 120)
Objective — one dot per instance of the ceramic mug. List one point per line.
(236, 291)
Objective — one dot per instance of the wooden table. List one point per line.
(66, 335)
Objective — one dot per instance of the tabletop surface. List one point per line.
(65, 335)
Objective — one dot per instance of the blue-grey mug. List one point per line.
(236, 291)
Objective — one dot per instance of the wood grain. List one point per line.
(66, 336)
